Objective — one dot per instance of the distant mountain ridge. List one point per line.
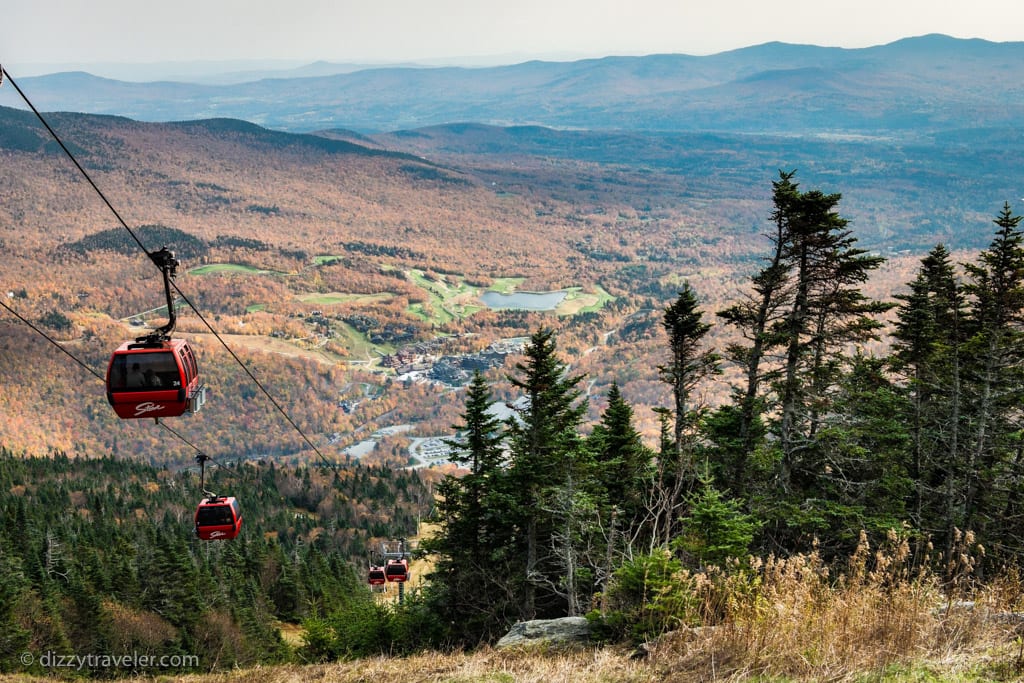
(915, 85)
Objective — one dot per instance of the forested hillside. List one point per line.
(97, 556)
(272, 228)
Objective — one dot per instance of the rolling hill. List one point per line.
(285, 221)
(912, 86)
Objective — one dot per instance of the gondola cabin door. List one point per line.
(154, 379)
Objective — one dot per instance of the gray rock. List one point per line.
(564, 631)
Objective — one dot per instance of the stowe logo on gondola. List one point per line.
(148, 407)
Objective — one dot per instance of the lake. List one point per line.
(525, 301)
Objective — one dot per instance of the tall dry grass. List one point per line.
(881, 617)
(789, 619)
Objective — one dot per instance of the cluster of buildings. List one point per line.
(412, 358)
(417, 363)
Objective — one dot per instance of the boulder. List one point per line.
(564, 631)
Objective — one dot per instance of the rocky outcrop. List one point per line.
(564, 631)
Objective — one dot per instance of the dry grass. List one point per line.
(791, 621)
(787, 620)
(682, 657)
(486, 666)
(715, 655)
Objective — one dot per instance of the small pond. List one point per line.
(524, 301)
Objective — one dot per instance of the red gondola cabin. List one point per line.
(154, 379)
(218, 518)
(397, 570)
(376, 575)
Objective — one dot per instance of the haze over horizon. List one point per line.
(106, 36)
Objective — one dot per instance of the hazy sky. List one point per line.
(142, 31)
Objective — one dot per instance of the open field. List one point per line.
(214, 268)
(361, 348)
(505, 285)
(578, 301)
(329, 298)
(281, 347)
(460, 300)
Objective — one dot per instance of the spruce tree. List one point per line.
(995, 373)
(689, 364)
(473, 542)
(622, 463)
(14, 638)
(623, 477)
(828, 312)
(928, 344)
(715, 529)
(756, 318)
(546, 453)
(479, 447)
(860, 465)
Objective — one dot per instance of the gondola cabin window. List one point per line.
(145, 371)
(215, 515)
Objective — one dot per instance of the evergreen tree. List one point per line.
(285, 592)
(480, 448)
(546, 454)
(172, 582)
(861, 479)
(828, 312)
(88, 623)
(622, 463)
(757, 317)
(995, 373)
(689, 364)
(623, 480)
(14, 638)
(474, 540)
(715, 528)
(927, 348)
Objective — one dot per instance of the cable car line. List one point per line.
(259, 384)
(87, 368)
(152, 257)
(52, 341)
(201, 460)
(216, 517)
(156, 375)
